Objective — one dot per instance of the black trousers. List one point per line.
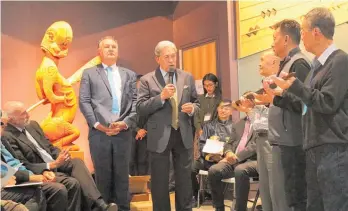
(293, 160)
(32, 197)
(182, 161)
(110, 156)
(326, 174)
(241, 172)
(139, 163)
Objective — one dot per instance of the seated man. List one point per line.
(30, 198)
(238, 160)
(257, 109)
(33, 149)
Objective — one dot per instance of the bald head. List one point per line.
(17, 114)
(269, 64)
(4, 120)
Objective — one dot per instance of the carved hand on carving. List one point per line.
(68, 98)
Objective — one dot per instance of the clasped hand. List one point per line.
(230, 158)
(115, 128)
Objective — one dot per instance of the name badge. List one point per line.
(207, 117)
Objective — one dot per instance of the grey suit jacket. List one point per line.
(249, 151)
(96, 98)
(160, 115)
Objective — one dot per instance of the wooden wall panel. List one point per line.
(254, 20)
(200, 60)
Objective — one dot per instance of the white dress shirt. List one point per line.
(165, 77)
(325, 55)
(44, 154)
(117, 79)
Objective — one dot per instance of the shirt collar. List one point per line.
(18, 128)
(294, 51)
(206, 95)
(164, 73)
(114, 66)
(288, 57)
(325, 55)
(224, 122)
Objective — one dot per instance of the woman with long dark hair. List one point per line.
(209, 100)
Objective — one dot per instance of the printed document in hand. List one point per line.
(24, 184)
(6, 173)
(213, 147)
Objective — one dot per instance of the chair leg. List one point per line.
(256, 199)
(233, 196)
(199, 191)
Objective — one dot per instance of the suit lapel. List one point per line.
(250, 134)
(37, 137)
(158, 78)
(123, 76)
(102, 74)
(23, 138)
(180, 81)
(240, 129)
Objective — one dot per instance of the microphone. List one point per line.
(171, 73)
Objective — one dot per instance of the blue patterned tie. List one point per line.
(115, 108)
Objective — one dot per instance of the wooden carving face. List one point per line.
(57, 39)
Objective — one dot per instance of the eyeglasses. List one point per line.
(208, 85)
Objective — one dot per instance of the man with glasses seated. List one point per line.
(238, 159)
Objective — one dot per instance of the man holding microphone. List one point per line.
(168, 97)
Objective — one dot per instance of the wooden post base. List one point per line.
(77, 154)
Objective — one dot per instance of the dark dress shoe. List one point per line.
(259, 207)
(102, 206)
(220, 209)
(111, 207)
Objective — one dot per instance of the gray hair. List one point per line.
(12, 106)
(323, 19)
(163, 44)
(107, 38)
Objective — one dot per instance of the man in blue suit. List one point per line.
(107, 100)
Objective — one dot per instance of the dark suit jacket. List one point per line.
(249, 151)
(160, 115)
(25, 151)
(140, 122)
(96, 98)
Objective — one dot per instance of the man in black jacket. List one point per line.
(238, 159)
(36, 152)
(139, 162)
(285, 127)
(325, 122)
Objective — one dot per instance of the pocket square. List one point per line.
(185, 87)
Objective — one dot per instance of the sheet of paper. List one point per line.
(24, 184)
(6, 173)
(213, 147)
